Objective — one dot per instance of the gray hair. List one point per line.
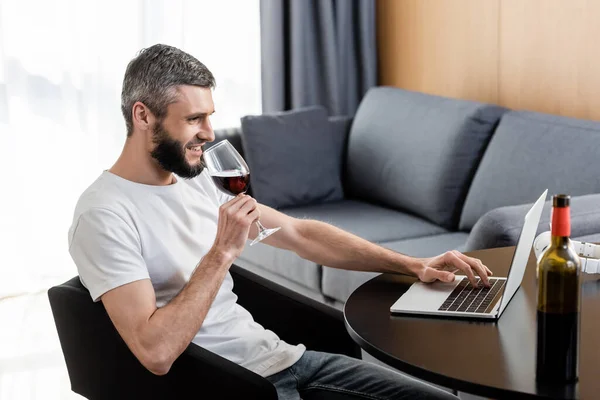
(151, 78)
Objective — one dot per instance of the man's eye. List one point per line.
(194, 119)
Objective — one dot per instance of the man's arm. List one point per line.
(327, 245)
(157, 336)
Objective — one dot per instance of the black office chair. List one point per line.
(101, 366)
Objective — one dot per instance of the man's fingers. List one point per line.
(489, 271)
(254, 215)
(483, 267)
(456, 261)
(477, 265)
(433, 274)
(233, 202)
(237, 206)
(443, 276)
(248, 206)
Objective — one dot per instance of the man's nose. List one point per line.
(209, 135)
(208, 132)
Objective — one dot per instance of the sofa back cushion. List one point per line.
(295, 157)
(233, 134)
(417, 152)
(529, 153)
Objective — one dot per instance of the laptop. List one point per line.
(460, 298)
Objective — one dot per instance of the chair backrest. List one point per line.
(101, 366)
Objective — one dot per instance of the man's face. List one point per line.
(178, 138)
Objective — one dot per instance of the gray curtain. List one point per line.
(317, 52)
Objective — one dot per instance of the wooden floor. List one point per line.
(32, 366)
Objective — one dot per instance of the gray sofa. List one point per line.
(425, 174)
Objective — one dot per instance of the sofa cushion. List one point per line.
(429, 246)
(295, 158)
(283, 263)
(313, 293)
(417, 152)
(339, 284)
(529, 153)
(502, 226)
(593, 238)
(371, 222)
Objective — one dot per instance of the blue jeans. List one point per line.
(322, 376)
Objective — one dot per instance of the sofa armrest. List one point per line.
(293, 317)
(501, 226)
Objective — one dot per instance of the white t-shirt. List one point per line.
(124, 231)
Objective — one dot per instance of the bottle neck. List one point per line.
(561, 223)
(559, 241)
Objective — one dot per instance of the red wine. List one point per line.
(557, 346)
(232, 182)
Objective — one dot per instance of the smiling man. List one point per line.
(153, 239)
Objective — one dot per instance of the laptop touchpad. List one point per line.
(426, 296)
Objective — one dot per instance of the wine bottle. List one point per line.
(558, 304)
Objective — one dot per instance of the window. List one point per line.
(61, 67)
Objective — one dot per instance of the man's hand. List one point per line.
(444, 266)
(235, 218)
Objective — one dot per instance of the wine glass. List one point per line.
(231, 174)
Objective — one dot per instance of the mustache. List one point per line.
(196, 142)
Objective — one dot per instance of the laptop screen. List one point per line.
(522, 251)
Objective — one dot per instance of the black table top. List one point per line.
(493, 359)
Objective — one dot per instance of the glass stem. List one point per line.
(261, 228)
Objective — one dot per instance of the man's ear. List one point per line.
(143, 119)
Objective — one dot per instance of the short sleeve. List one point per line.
(106, 251)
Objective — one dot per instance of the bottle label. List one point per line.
(561, 221)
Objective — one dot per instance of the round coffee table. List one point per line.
(492, 359)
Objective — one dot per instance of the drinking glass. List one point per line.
(231, 174)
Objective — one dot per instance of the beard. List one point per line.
(170, 154)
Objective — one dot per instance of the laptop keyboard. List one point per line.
(466, 298)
